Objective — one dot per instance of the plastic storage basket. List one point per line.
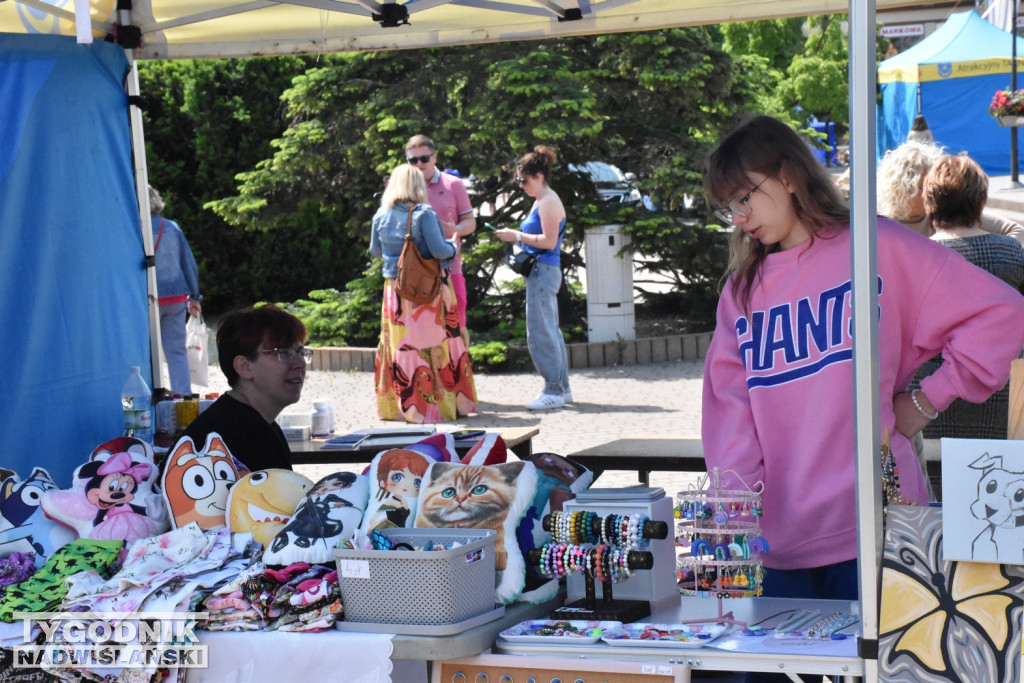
(420, 587)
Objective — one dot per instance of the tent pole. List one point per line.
(864, 269)
(142, 193)
(1014, 180)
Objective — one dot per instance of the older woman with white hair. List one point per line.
(901, 179)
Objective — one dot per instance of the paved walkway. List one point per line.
(661, 399)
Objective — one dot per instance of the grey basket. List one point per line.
(420, 587)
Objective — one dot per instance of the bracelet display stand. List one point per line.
(608, 548)
(720, 536)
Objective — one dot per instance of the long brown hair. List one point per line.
(764, 145)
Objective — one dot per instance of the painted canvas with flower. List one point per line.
(944, 621)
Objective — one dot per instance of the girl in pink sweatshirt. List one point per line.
(778, 403)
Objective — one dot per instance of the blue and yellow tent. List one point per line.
(958, 69)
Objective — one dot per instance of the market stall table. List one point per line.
(519, 440)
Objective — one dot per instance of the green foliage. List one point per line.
(349, 318)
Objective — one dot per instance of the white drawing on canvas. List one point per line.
(983, 496)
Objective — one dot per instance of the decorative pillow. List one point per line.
(330, 512)
(490, 450)
(196, 482)
(23, 526)
(483, 497)
(114, 495)
(262, 502)
(395, 478)
(558, 480)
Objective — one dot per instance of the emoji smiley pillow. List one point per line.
(196, 482)
(262, 502)
(113, 496)
(330, 511)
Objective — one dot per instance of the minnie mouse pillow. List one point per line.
(113, 496)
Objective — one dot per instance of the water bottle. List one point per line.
(135, 401)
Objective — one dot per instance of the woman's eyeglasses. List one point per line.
(421, 159)
(520, 180)
(739, 206)
(286, 354)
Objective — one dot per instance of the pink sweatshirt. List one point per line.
(778, 383)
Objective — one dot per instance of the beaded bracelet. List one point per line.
(917, 404)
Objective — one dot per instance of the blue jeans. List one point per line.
(172, 337)
(544, 339)
(831, 582)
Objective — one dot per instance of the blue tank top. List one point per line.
(531, 226)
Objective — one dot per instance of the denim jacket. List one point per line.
(389, 227)
(176, 272)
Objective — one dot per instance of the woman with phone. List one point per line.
(541, 234)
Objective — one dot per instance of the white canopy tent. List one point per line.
(172, 29)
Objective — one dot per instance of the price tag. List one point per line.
(354, 569)
(647, 668)
(665, 670)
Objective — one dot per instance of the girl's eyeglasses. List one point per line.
(739, 206)
(286, 354)
(520, 180)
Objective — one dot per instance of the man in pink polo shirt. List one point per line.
(450, 201)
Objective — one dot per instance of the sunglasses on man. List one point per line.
(422, 159)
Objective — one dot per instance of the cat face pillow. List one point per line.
(196, 482)
(482, 497)
(329, 512)
(113, 496)
(262, 502)
(23, 526)
(396, 476)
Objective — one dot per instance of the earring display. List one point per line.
(719, 535)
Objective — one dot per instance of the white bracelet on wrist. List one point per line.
(519, 237)
(917, 404)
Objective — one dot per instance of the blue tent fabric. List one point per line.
(958, 69)
(74, 304)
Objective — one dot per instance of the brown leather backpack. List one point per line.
(419, 278)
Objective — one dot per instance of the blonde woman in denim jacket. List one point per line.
(422, 370)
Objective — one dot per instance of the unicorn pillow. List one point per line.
(24, 528)
(113, 496)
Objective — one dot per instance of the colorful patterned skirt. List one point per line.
(422, 370)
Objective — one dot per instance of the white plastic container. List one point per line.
(136, 398)
(321, 426)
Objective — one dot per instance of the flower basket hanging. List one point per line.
(1007, 107)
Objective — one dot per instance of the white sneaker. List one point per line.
(567, 397)
(546, 402)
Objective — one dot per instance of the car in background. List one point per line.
(612, 184)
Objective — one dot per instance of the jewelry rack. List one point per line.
(605, 549)
(720, 536)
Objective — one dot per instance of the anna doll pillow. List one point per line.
(395, 477)
(328, 513)
(483, 497)
(113, 496)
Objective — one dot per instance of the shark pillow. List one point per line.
(262, 502)
(24, 528)
(113, 496)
